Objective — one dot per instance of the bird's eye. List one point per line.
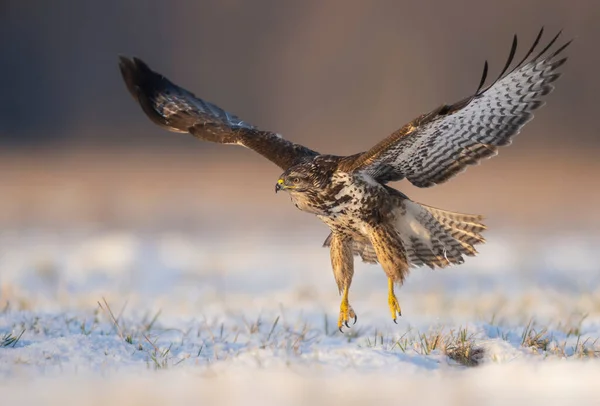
(295, 180)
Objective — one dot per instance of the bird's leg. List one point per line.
(393, 301)
(342, 263)
(392, 257)
(346, 311)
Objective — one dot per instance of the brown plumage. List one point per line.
(350, 194)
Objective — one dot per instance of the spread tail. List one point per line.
(435, 237)
(430, 236)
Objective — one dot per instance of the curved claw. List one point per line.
(355, 319)
(395, 310)
(346, 314)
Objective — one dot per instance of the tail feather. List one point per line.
(436, 237)
(471, 251)
(438, 249)
(466, 222)
(468, 237)
(430, 236)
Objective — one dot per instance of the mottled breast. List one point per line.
(355, 201)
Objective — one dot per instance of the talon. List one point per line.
(393, 302)
(355, 318)
(346, 312)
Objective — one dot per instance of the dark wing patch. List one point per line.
(179, 110)
(436, 146)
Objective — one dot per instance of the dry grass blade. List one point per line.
(273, 328)
(9, 340)
(431, 343)
(112, 316)
(151, 343)
(149, 326)
(533, 339)
(462, 349)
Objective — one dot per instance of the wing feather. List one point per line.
(179, 110)
(436, 146)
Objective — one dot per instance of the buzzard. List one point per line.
(351, 194)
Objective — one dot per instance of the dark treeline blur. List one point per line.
(338, 75)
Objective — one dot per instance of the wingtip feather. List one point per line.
(128, 72)
(562, 48)
(547, 47)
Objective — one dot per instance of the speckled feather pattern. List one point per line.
(342, 261)
(350, 194)
(438, 145)
(179, 110)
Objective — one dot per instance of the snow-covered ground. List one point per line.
(120, 317)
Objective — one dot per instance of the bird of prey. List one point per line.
(367, 217)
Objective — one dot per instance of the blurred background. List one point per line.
(78, 156)
(336, 76)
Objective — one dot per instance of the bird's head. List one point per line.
(307, 183)
(297, 179)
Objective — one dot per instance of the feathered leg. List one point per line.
(342, 263)
(392, 257)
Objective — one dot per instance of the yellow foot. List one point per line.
(393, 302)
(346, 314)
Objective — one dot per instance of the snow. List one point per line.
(249, 319)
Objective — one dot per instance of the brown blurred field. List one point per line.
(234, 189)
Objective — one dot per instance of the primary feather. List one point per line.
(438, 145)
(179, 110)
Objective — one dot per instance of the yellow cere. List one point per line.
(280, 181)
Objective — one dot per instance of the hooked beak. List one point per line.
(279, 185)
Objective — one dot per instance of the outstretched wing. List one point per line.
(179, 110)
(436, 146)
